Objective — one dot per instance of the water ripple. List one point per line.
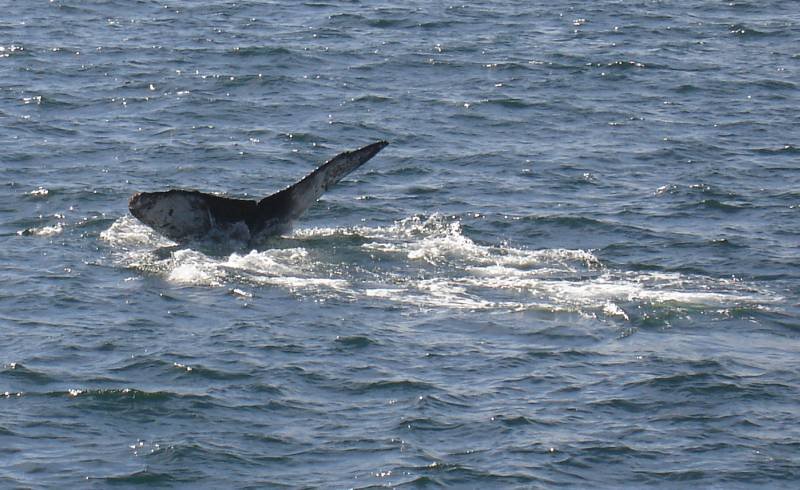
(575, 265)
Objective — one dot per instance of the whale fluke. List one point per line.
(183, 215)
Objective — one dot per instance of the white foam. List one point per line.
(436, 241)
(52, 230)
(190, 267)
(128, 232)
(433, 265)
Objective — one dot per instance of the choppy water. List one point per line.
(577, 263)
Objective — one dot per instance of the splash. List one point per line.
(138, 247)
(44, 231)
(429, 263)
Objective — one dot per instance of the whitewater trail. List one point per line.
(430, 263)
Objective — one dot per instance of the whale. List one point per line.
(184, 215)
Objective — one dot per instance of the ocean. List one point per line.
(577, 264)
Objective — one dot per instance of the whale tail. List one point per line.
(290, 203)
(186, 214)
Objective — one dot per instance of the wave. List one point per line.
(17, 372)
(785, 149)
(145, 477)
(155, 367)
(427, 262)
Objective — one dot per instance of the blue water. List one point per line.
(577, 263)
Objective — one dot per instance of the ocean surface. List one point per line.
(577, 264)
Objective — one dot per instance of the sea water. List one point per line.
(576, 264)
